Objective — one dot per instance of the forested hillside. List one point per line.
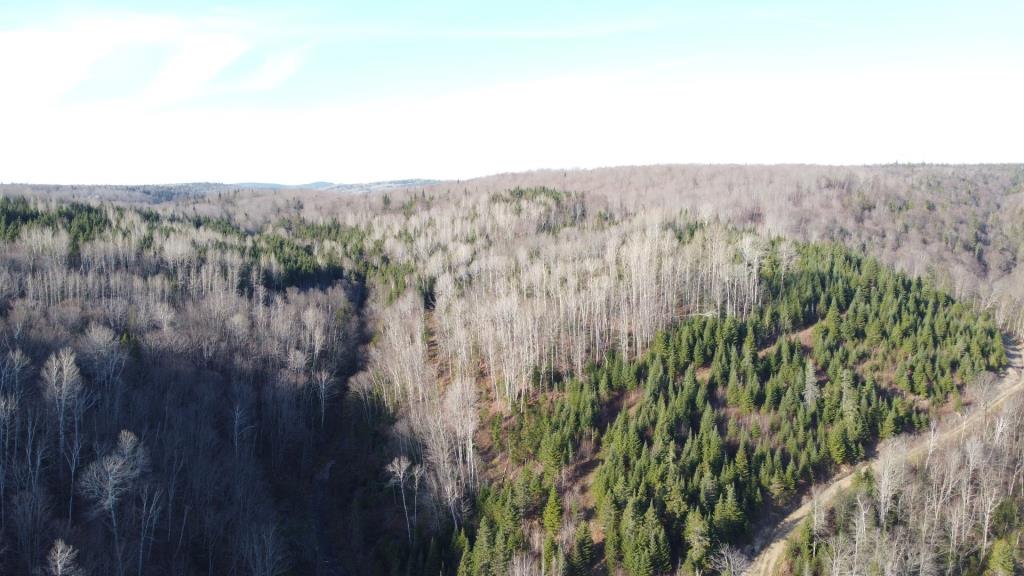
(959, 226)
(688, 462)
(518, 381)
(952, 505)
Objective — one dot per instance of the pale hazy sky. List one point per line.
(145, 92)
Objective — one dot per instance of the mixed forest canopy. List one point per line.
(688, 462)
(479, 381)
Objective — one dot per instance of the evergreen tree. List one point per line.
(482, 553)
(728, 518)
(553, 513)
(1001, 561)
(466, 564)
(583, 550)
(612, 542)
(698, 539)
(657, 542)
(837, 442)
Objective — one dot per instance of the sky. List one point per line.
(117, 92)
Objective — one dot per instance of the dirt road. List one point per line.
(1010, 384)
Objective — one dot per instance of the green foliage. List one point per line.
(698, 539)
(581, 560)
(737, 414)
(1000, 560)
(559, 209)
(360, 253)
(82, 222)
(553, 513)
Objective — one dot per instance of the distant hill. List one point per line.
(380, 186)
(274, 186)
(340, 187)
(161, 193)
(143, 193)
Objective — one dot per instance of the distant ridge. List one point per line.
(339, 187)
(159, 193)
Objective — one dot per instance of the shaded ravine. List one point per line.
(327, 558)
(320, 501)
(772, 543)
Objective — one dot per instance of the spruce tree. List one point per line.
(1000, 561)
(698, 539)
(583, 550)
(728, 518)
(553, 513)
(657, 541)
(482, 553)
(837, 441)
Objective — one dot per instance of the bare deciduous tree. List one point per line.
(889, 480)
(62, 386)
(730, 561)
(323, 385)
(398, 469)
(263, 551)
(61, 561)
(107, 481)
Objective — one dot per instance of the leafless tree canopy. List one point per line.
(925, 515)
(204, 379)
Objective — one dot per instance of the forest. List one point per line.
(504, 377)
(954, 508)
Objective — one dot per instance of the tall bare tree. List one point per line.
(109, 479)
(61, 561)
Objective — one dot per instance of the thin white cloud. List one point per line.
(40, 65)
(199, 58)
(566, 32)
(420, 32)
(275, 70)
(44, 63)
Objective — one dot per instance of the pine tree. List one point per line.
(837, 441)
(749, 351)
(742, 463)
(550, 550)
(1000, 561)
(465, 564)
(460, 545)
(482, 554)
(728, 518)
(583, 550)
(640, 563)
(832, 319)
(698, 540)
(657, 541)
(553, 513)
(612, 543)
(890, 425)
